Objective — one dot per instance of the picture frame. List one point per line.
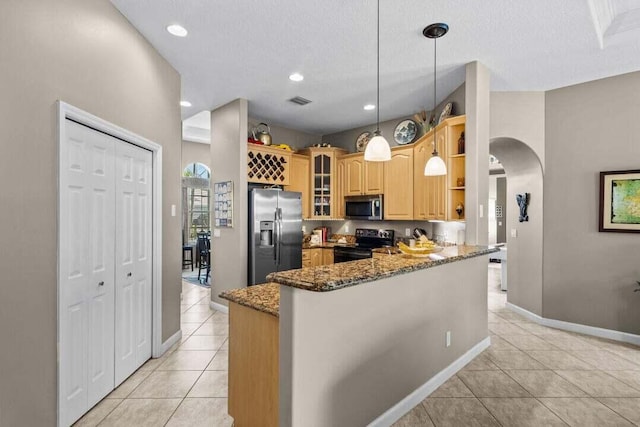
(620, 201)
(405, 132)
(223, 207)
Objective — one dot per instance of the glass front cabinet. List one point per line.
(324, 185)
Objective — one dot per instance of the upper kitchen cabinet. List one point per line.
(323, 181)
(456, 166)
(340, 186)
(362, 177)
(299, 181)
(266, 165)
(438, 197)
(398, 184)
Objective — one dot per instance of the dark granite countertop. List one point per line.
(336, 276)
(326, 245)
(265, 297)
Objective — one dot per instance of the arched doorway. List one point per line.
(524, 174)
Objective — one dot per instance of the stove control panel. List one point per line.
(373, 233)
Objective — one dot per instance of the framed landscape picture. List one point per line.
(620, 201)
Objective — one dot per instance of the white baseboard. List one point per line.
(576, 327)
(219, 307)
(170, 342)
(408, 403)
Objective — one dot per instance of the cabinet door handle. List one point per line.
(100, 283)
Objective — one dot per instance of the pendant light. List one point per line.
(378, 148)
(435, 166)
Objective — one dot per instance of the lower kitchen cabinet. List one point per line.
(313, 257)
(327, 256)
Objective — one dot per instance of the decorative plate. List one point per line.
(446, 112)
(405, 132)
(362, 141)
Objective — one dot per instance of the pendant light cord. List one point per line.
(378, 78)
(435, 68)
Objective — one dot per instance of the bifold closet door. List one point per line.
(87, 221)
(133, 259)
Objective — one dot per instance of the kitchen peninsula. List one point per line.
(357, 342)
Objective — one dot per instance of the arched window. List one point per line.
(195, 201)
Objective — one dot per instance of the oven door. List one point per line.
(350, 254)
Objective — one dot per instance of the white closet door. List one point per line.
(133, 259)
(87, 196)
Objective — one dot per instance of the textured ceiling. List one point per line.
(248, 48)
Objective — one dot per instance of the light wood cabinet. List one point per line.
(306, 258)
(420, 152)
(323, 185)
(456, 170)
(254, 356)
(398, 184)
(362, 177)
(299, 181)
(327, 256)
(430, 191)
(266, 165)
(354, 174)
(311, 257)
(374, 177)
(340, 185)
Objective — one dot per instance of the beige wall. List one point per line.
(517, 139)
(347, 356)
(196, 152)
(589, 276)
(88, 55)
(477, 95)
(229, 163)
(519, 115)
(282, 135)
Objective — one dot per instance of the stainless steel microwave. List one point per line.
(364, 207)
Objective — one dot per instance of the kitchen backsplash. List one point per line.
(440, 231)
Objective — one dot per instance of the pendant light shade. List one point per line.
(435, 166)
(378, 148)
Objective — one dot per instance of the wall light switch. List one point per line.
(448, 339)
(216, 232)
(500, 223)
(346, 228)
(304, 229)
(481, 211)
(173, 210)
(407, 232)
(514, 232)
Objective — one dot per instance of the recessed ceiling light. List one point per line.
(185, 104)
(369, 107)
(177, 30)
(296, 77)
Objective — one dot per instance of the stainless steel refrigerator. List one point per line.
(275, 233)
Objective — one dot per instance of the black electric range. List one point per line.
(366, 240)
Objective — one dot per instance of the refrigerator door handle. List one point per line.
(276, 236)
(279, 235)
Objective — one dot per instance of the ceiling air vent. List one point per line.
(299, 100)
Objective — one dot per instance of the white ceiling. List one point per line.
(248, 48)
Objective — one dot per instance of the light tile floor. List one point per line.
(530, 376)
(536, 376)
(187, 386)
